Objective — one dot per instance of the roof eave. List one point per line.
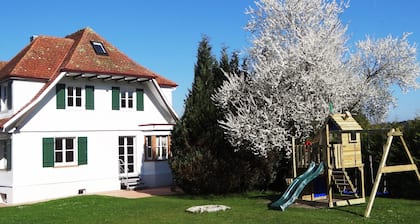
(14, 121)
(165, 101)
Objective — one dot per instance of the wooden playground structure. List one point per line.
(338, 146)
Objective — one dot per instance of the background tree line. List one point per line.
(403, 184)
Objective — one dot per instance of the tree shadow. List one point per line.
(272, 197)
(346, 210)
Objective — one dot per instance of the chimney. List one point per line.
(347, 114)
(33, 37)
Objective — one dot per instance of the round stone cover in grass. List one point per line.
(207, 208)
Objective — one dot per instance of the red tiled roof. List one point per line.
(162, 81)
(84, 59)
(41, 59)
(2, 64)
(46, 56)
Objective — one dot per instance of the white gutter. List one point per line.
(20, 115)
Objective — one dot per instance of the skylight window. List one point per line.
(99, 48)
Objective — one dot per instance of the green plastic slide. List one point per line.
(297, 186)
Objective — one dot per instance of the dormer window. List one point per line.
(99, 48)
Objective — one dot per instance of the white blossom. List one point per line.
(300, 64)
(380, 64)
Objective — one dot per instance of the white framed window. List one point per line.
(148, 148)
(74, 96)
(156, 147)
(68, 96)
(161, 147)
(5, 151)
(65, 152)
(4, 96)
(127, 99)
(126, 151)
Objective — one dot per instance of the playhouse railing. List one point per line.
(336, 157)
(305, 154)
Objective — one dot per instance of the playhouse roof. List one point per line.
(345, 122)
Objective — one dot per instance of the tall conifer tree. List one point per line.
(196, 134)
(203, 161)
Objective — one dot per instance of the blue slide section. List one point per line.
(297, 186)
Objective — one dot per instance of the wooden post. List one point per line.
(327, 143)
(410, 157)
(329, 167)
(294, 157)
(330, 189)
(379, 174)
(390, 169)
(362, 177)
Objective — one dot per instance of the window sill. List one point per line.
(66, 166)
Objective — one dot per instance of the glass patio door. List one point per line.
(126, 154)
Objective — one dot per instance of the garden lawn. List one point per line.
(245, 208)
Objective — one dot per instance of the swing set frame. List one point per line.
(384, 169)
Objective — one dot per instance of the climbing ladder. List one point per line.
(343, 182)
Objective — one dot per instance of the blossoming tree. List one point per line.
(301, 65)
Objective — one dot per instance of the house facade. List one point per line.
(78, 116)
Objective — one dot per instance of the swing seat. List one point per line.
(383, 193)
(349, 192)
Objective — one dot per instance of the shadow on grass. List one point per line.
(274, 196)
(347, 210)
(269, 196)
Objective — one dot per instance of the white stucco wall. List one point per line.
(102, 117)
(22, 92)
(30, 181)
(167, 92)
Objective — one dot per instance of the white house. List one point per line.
(78, 116)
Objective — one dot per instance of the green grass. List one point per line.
(246, 208)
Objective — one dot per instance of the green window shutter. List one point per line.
(90, 97)
(48, 152)
(115, 98)
(9, 95)
(9, 154)
(82, 150)
(61, 96)
(140, 99)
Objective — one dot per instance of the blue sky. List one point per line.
(163, 35)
